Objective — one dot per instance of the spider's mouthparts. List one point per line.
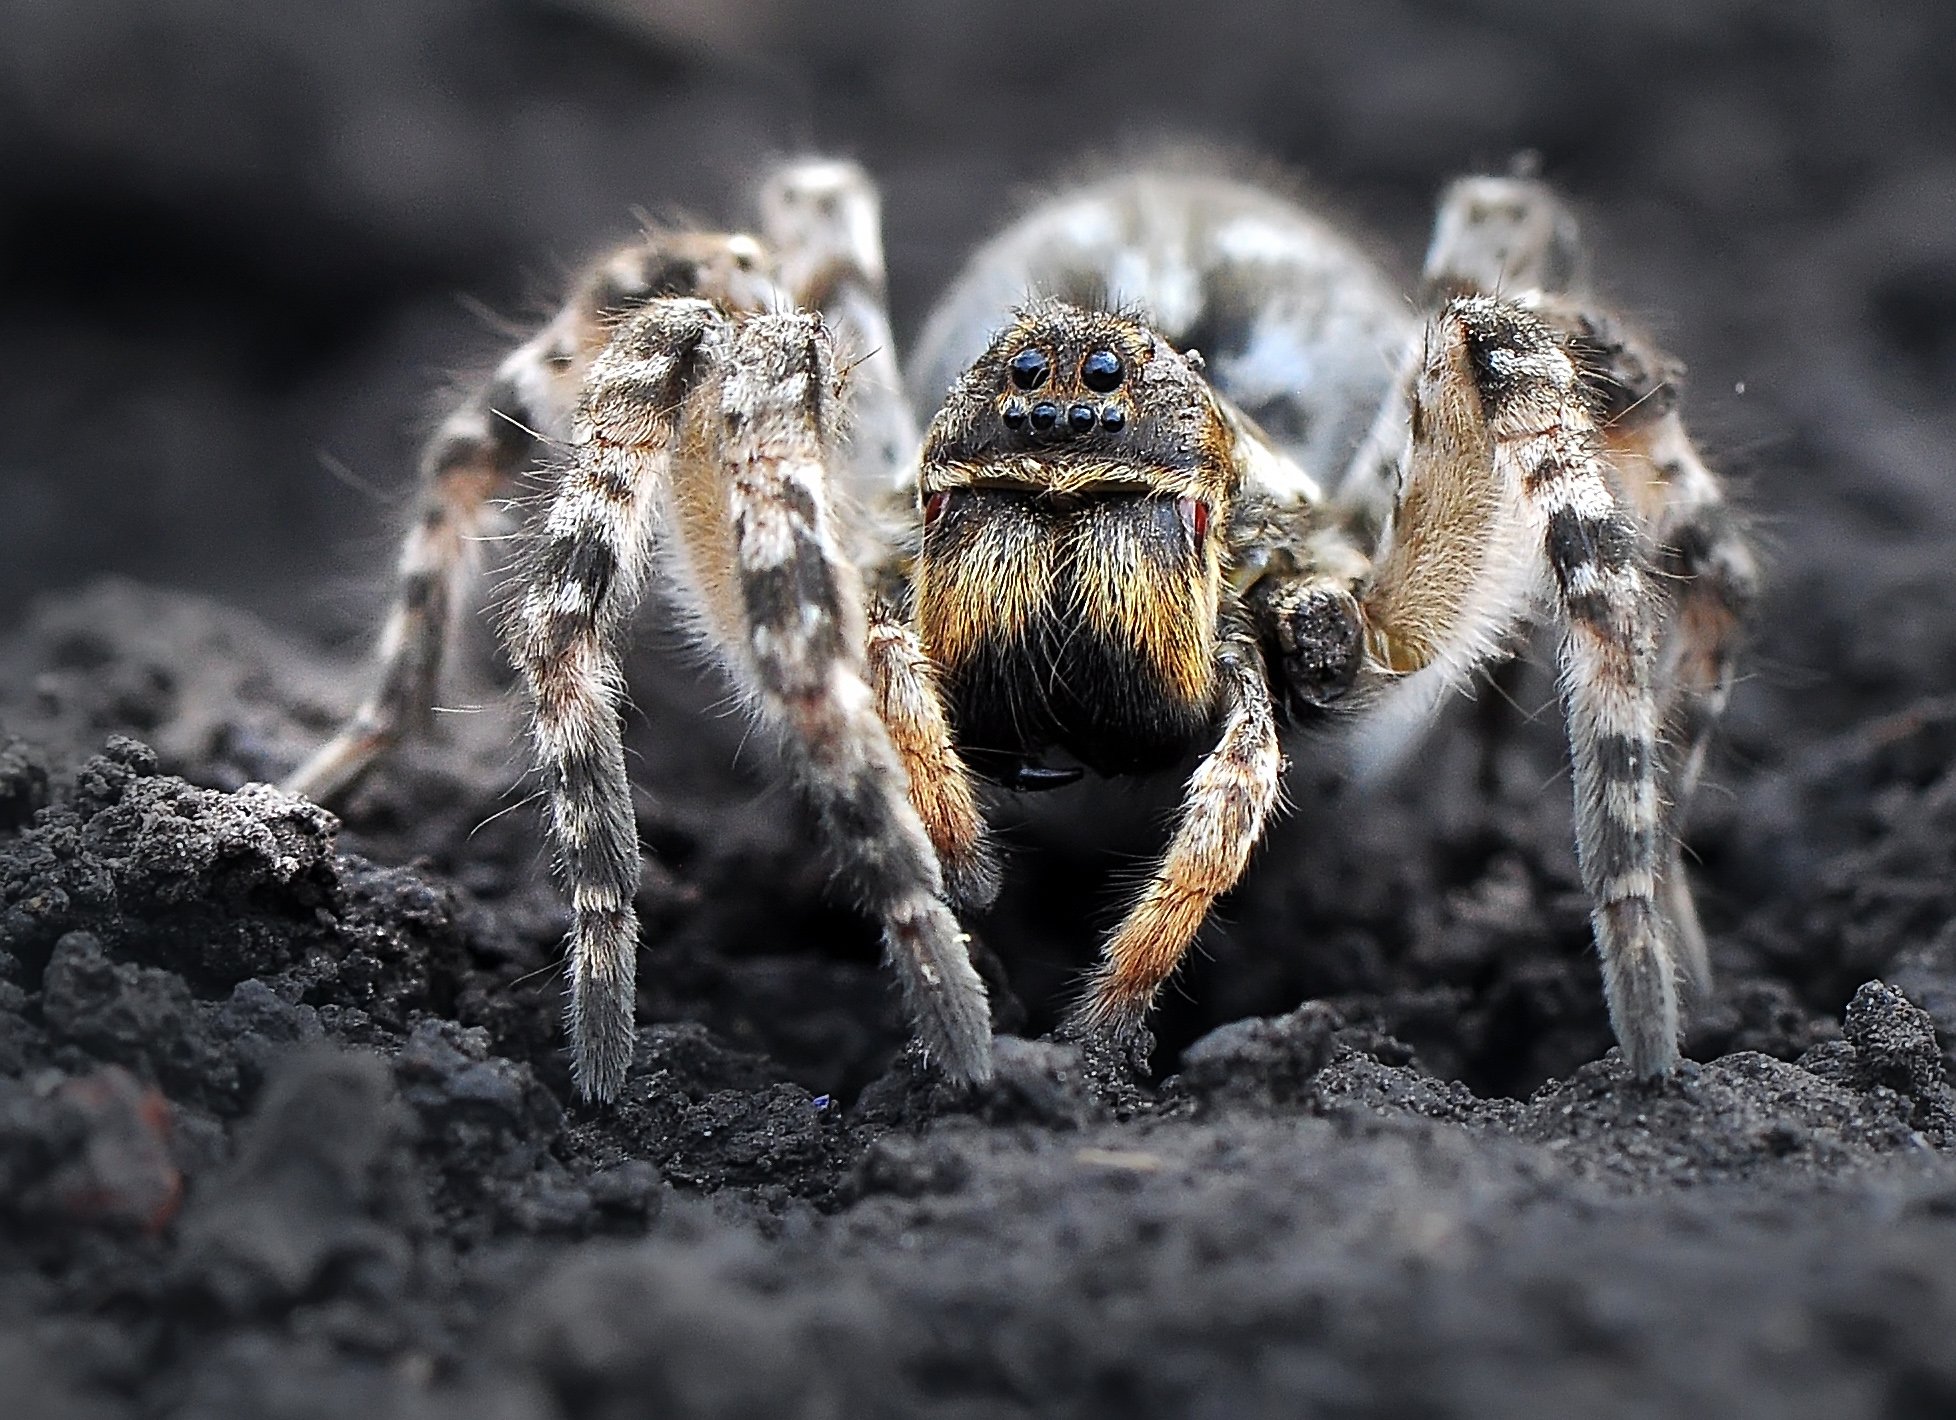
(1028, 778)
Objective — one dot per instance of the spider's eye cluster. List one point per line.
(1101, 372)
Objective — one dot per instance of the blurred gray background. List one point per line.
(245, 248)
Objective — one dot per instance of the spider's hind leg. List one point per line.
(473, 461)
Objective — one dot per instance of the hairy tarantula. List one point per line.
(1104, 544)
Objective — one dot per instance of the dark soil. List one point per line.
(285, 1123)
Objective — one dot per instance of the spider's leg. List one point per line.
(940, 785)
(1705, 572)
(582, 574)
(754, 544)
(1491, 235)
(1506, 481)
(822, 218)
(1228, 800)
(795, 607)
(473, 462)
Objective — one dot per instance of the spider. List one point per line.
(1104, 547)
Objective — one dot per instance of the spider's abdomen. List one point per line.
(1298, 326)
(1081, 623)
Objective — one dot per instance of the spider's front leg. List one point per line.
(719, 429)
(1507, 493)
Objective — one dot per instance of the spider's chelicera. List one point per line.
(1104, 548)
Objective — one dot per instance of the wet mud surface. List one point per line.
(285, 1122)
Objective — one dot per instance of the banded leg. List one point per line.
(801, 610)
(1228, 800)
(474, 460)
(823, 220)
(941, 788)
(1491, 236)
(744, 494)
(580, 580)
(1506, 482)
(1708, 576)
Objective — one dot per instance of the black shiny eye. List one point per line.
(1044, 415)
(1014, 415)
(1030, 369)
(1101, 371)
(1113, 419)
(1080, 418)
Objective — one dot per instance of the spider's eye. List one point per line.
(1101, 371)
(1080, 418)
(1195, 517)
(934, 507)
(1030, 369)
(1044, 415)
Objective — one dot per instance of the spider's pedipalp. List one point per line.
(1228, 801)
(941, 790)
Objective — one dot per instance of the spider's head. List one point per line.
(1074, 490)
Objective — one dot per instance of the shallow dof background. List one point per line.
(244, 248)
(246, 252)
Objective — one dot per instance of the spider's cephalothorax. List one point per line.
(1103, 546)
(1068, 585)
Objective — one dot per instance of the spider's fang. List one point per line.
(1026, 778)
(1195, 517)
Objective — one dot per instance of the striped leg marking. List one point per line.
(1507, 482)
(801, 603)
(582, 576)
